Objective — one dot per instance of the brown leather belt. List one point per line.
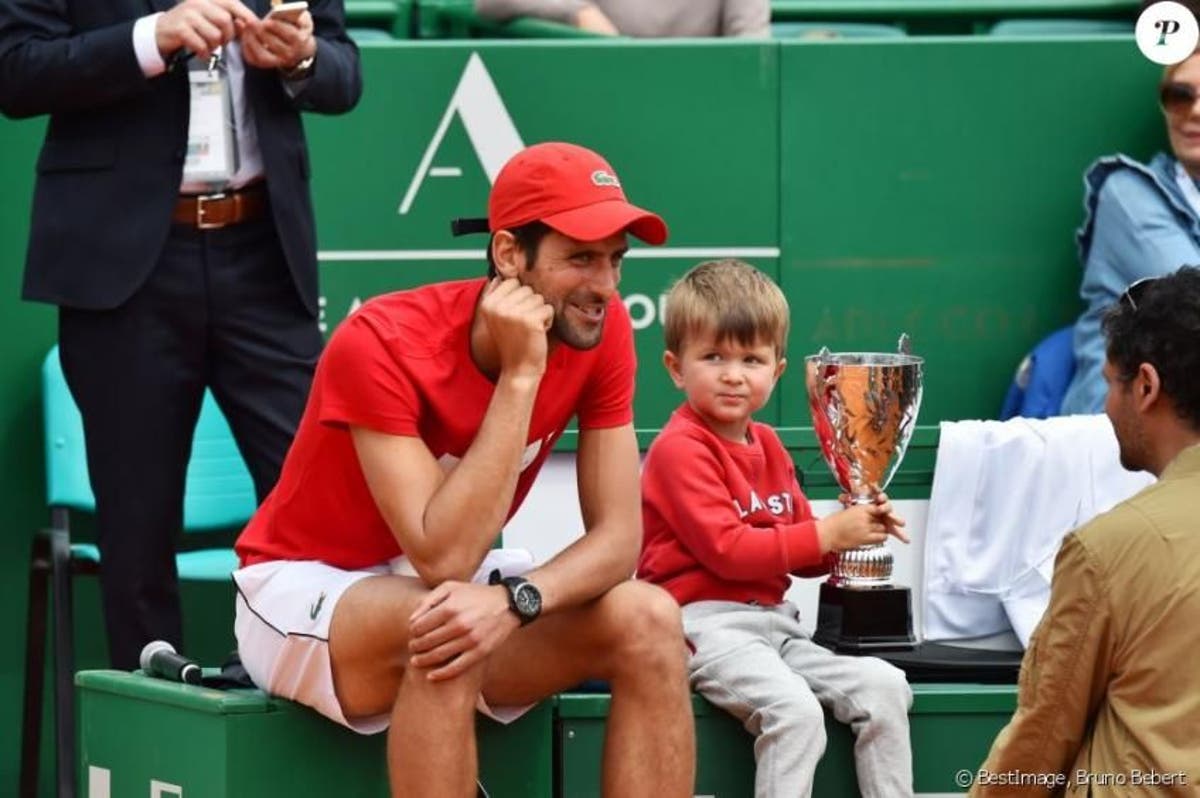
(213, 211)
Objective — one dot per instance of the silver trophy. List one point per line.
(864, 408)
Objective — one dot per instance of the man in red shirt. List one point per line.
(367, 589)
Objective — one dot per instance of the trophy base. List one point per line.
(863, 621)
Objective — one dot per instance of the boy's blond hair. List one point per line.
(730, 299)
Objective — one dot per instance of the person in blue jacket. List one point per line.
(1143, 220)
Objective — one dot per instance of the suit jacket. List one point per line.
(111, 164)
(1103, 690)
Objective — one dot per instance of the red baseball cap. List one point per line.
(571, 189)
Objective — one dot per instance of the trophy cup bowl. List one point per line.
(864, 409)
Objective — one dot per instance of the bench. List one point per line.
(140, 735)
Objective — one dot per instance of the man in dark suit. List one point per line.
(180, 255)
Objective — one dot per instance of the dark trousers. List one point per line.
(219, 310)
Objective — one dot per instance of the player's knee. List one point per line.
(457, 694)
(647, 627)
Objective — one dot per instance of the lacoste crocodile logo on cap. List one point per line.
(603, 178)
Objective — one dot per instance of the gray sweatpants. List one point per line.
(757, 664)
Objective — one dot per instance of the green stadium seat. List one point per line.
(394, 17)
(430, 22)
(364, 35)
(243, 743)
(136, 731)
(954, 17)
(834, 30)
(219, 496)
(1060, 27)
(456, 19)
(951, 726)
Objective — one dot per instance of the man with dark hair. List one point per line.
(528, 238)
(369, 590)
(1109, 700)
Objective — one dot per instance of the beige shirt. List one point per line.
(1109, 693)
(648, 18)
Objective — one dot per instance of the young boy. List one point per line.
(725, 526)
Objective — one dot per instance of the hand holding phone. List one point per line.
(283, 40)
(289, 11)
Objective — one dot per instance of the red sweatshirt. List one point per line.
(724, 521)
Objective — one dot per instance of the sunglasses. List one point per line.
(1135, 291)
(1177, 98)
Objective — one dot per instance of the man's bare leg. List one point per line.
(649, 744)
(633, 637)
(431, 741)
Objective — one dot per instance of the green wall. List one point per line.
(924, 185)
(935, 189)
(26, 331)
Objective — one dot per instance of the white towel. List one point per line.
(1004, 495)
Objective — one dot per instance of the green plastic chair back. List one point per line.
(393, 17)
(456, 19)
(219, 492)
(363, 35)
(834, 30)
(1060, 27)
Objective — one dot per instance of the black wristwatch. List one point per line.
(524, 599)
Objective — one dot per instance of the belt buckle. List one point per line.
(201, 200)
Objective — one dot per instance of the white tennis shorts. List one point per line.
(284, 608)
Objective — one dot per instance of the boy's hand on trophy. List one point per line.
(883, 509)
(860, 525)
(893, 522)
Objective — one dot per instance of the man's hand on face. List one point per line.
(517, 319)
(457, 626)
(279, 43)
(201, 26)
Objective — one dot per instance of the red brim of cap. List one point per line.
(603, 219)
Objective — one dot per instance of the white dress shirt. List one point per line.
(151, 61)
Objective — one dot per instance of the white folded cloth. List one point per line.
(1004, 495)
